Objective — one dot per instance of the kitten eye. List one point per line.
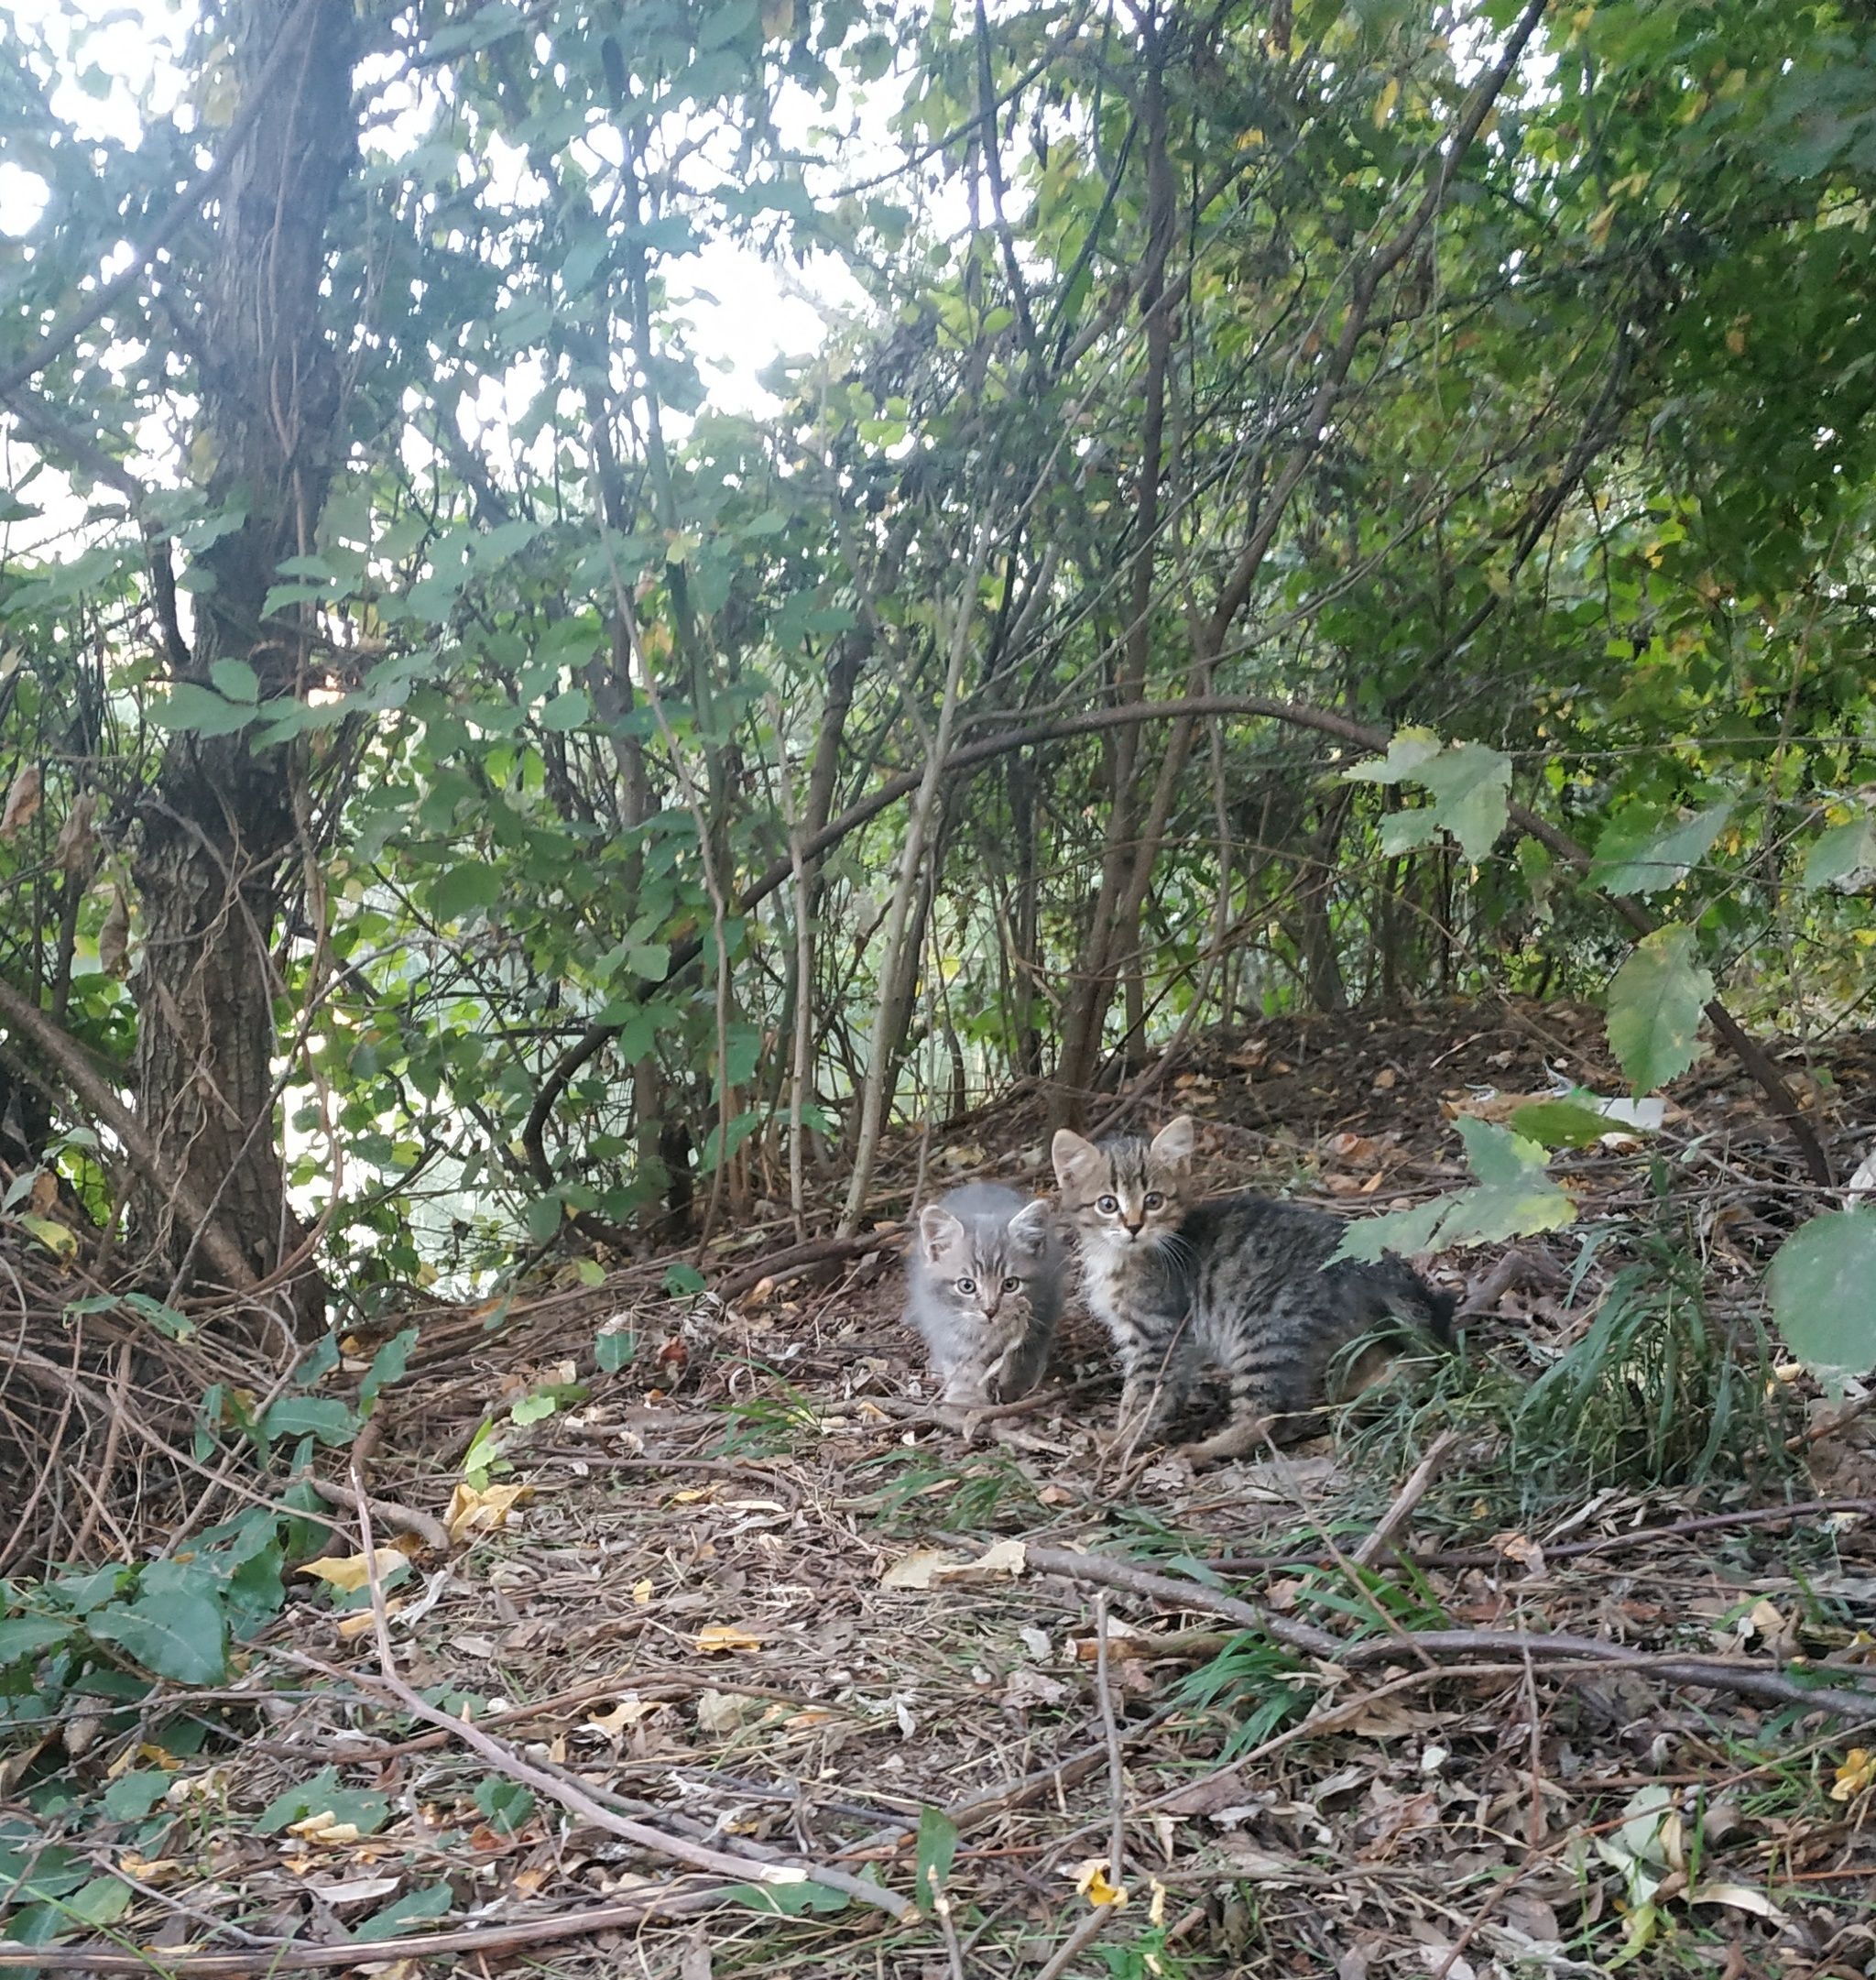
(967, 1285)
(1154, 1199)
(1106, 1205)
(1013, 1285)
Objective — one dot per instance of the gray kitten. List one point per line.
(1241, 1283)
(985, 1289)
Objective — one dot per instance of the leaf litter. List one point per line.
(752, 1596)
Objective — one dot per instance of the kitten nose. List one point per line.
(1133, 1230)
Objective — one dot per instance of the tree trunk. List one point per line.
(221, 822)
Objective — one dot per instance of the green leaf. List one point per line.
(235, 680)
(937, 1846)
(173, 1633)
(1561, 1124)
(1470, 785)
(164, 1319)
(131, 1797)
(1515, 1197)
(535, 1408)
(22, 1636)
(1655, 1007)
(414, 1908)
(1842, 854)
(682, 1280)
(322, 1795)
(567, 711)
(614, 1348)
(188, 707)
(507, 1803)
(1647, 861)
(1820, 1288)
(460, 889)
(324, 1416)
(790, 1900)
(101, 1901)
(388, 1364)
(650, 961)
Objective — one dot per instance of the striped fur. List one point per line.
(1239, 1284)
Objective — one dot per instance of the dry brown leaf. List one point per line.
(626, 1713)
(22, 802)
(113, 938)
(481, 1512)
(362, 1623)
(916, 1569)
(1006, 1558)
(323, 1830)
(717, 1637)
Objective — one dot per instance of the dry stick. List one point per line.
(1079, 1941)
(290, 1958)
(1102, 1570)
(404, 1518)
(1709, 1672)
(1110, 1732)
(947, 1925)
(571, 1797)
(64, 1053)
(1410, 1495)
(797, 1257)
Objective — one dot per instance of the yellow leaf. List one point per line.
(322, 1828)
(481, 1512)
(641, 1592)
(356, 1625)
(1854, 1776)
(627, 1712)
(163, 1870)
(714, 1636)
(691, 1493)
(55, 1237)
(1384, 103)
(351, 1572)
(1091, 1882)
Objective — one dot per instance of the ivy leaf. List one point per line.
(1655, 1006)
(1844, 857)
(1645, 862)
(1820, 1284)
(1470, 785)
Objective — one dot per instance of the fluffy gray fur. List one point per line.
(1240, 1283)
(985, 1288)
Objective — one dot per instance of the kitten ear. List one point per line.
(1074, 1158)
(1172, 1143)
(938, 1230)
(1029, 1228)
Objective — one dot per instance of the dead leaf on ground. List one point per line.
(482, 1511)
(350, 1573)
(916, 1569)
(1006, 1558)
(717, 1638)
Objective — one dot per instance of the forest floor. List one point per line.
(738, 1590)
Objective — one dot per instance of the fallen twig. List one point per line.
(287, 1957)
(1104, 1570)
(1117, 1772)
(1079, 1941)
(1410, 1495)
(404, 1518)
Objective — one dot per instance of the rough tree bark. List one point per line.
(220, 821)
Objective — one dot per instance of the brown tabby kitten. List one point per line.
(1240, 1283)
(984, 1289)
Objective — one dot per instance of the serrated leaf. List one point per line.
(1655, 1007)
(1659, 857)
(1515, 1197)
(1820, 1288)
(1469, 784)
(175, 1634)
(1841, 854)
